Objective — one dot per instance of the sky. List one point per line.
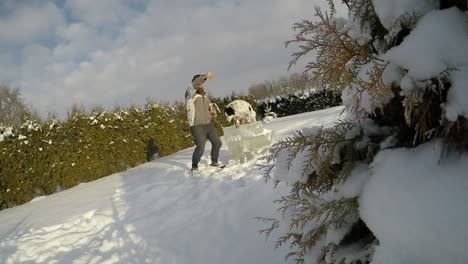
(158, 213)
(122, 52)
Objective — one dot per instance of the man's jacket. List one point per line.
(198, 107)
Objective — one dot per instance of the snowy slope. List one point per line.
(156, 213)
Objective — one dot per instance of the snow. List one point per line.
(156, 213)
(389, 11)
(7, 132)
(415, 203)
(413, 200)
(292, 173)
(357, 29)
(392, 75)
(457, 96)
(353, 185)
(439, 43)
(356, 97)
(352, 94)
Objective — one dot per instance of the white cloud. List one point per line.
(114, 56)
(79, 40)
(8, 67)
(102, 13)
(29, 23)
(34, 58)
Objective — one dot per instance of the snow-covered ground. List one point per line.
(413, 200)
(156, 213)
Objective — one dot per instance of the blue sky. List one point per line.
(122, 52)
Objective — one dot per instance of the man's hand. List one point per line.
(209, 75)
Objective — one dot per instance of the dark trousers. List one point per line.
(200, 134)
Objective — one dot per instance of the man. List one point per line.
(200, 113)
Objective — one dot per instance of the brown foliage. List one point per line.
(335, 51)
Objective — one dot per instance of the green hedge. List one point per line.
(297, 103)
(39, 159)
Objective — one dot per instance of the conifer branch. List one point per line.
(335, 50)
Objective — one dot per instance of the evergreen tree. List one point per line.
(390, 103)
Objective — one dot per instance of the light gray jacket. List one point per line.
(200, 110)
